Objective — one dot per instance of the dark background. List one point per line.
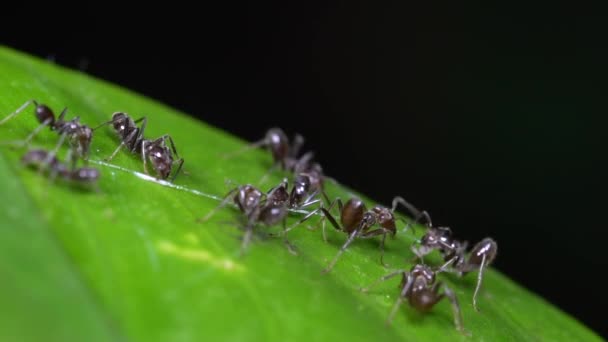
(493, 119)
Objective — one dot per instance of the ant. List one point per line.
(283, 152)
(420, 288)
(46, 161)
(300, 196)
(78, 135)
(357, 221)
(258, 207)
(154, 151)
(454, 252)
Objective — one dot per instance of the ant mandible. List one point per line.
(78, 135)
(155, 151)
(420, 288)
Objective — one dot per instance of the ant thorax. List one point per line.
(161, 160)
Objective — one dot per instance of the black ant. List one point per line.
(78, 135)
(305, 188)
(155, 151)
(454, 252)
(46, 161)
(357, 221)
(421, 290)
(283, 152)
(257, 207)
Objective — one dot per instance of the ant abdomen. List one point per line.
(44, 114)
(352, 214)
(486, 248)
(277, 143)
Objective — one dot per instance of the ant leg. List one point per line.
(144, 121)
(298, 142)
(290, 247)
(300, 164)
(404, 292)
(18, 111)
(350, 239)
(143, 155)
(103, 124)
(53, 152)
(35, 132)
(334, 223)
(62, 115)
(302, 220)
(267, 173)
(308, 202)
(251, 146)
(180, 163)
(305, 218)
(377, 232)
(220, 206)
(383, 279)
(246, 239)
(382, 250)
(408, 224)
(479, 279)
(455, 309)
(325, 197)
(444, 267)
(400, 200)
(171, 143)
(114, 153)
(164, 138)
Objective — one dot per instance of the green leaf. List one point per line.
(130, 263)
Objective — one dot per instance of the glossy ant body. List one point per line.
(357, 222)
(78, 135)
(155, 151)
(420, 288)
(46, 161)
(283, 152)
(258, 207)
(454, 252)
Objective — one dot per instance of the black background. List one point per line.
(493, 119)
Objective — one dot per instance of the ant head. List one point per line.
(301, 188)
(423, 272)
(120, 122)
(277, 142)
(315, 176)
(44, 114)
(279, 194)
(486, 247)
(385, 218)
(437, 236)
(248, 198)
(161, 160)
